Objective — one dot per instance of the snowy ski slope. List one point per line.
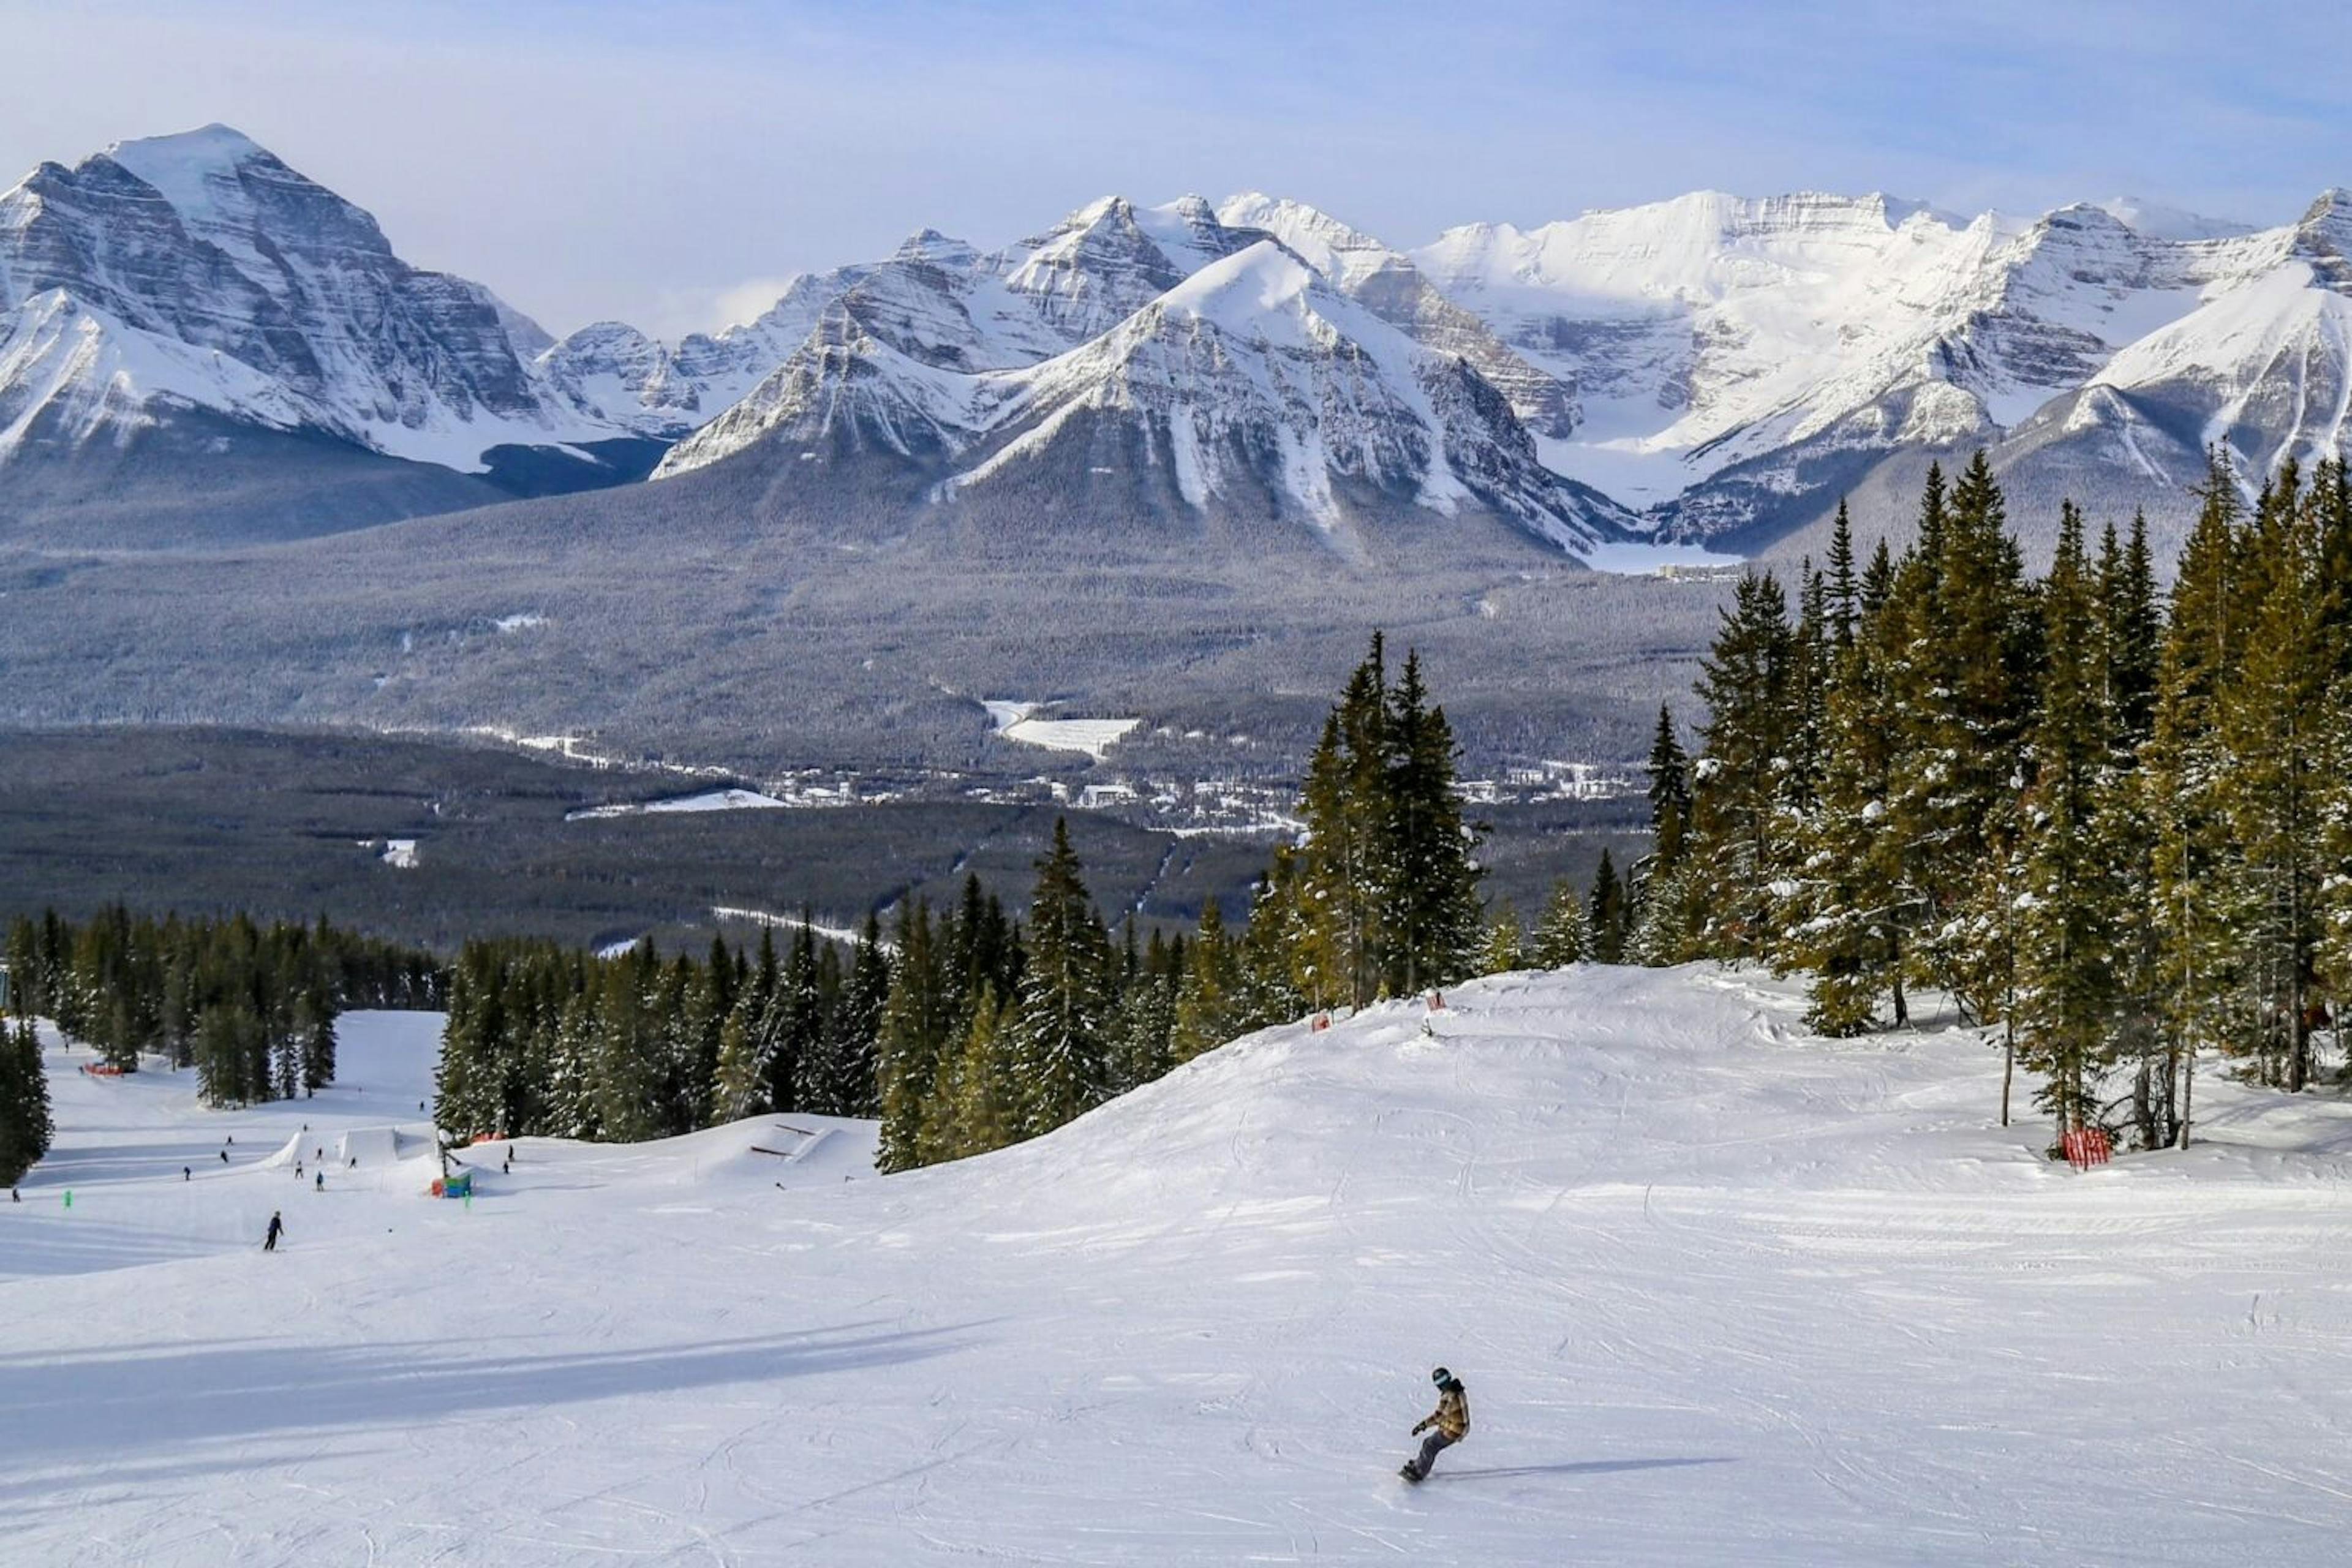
(1723, 1294)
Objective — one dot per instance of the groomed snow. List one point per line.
(1722, 1294)
(708, 800)
(1096, 737)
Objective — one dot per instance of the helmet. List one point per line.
(1440, 1376)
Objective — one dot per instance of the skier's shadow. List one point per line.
(1586, 1467)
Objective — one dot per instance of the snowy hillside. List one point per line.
(1720, 1292)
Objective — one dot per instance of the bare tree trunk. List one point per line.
(2008, 1066)
(2187, 1088)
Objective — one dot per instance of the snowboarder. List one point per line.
(298, 1169)
(320, 1177)
(1452, 1419)
(277, 1229)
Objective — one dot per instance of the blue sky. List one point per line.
(667, 164)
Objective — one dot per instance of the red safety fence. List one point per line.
(2087, 1147)
(100, 1070)
(1321, 1022)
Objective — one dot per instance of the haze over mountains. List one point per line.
(1167, 461)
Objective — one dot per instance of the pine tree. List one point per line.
(1607, 918)
(1346, 864)
(918, 1020)
(2064, 939)
(2193, 895)
(1736, 818)
(1269, 989)
(25, 1128)
(2278, 745)
(1433, 922)
(1505, 948)
(1060, 1045)
(1844, 588)
(1207, 1011)
(1562, 936)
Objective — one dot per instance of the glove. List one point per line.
(1418, 1430)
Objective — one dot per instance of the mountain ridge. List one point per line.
(1710, 368)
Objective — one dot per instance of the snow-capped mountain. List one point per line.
(1738, 360)
(188, 314)
(1252, 381)
(198, 272)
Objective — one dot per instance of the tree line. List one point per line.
(2112, 823)
(966, 1030)
(251, 1007)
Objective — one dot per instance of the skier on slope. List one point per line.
(277, 1229)
(1450, 1420)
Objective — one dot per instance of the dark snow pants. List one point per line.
(1436, 1443)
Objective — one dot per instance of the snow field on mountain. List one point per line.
(1721, 1293)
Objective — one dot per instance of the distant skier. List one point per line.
(320, 1177)
(186, 1174)
(277, 1229)
(224, 1157)
(1452, 1419)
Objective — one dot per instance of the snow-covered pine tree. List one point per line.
(1506, 945)
(854, 1042)
(1273, 985)
(1146, 1020)
(1060, 1045)
(1207, 1009)
(1562, 936)
(1842, 920)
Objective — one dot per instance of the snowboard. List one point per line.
(1410, 1474)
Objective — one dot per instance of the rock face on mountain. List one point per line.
(1253, 384)
(173, 284)
(199, 343)
(1739, 363)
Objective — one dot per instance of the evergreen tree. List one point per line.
(1208, 996)
(25, 1128)
(2183, 765)
(1060, 1045)
(2065, 940)
(1505, 948)
(919, 1018)
(1607, 919)
(1843, 598)
(1562, 936)
(2279, 745)
(1736, 818)
(1433, 924)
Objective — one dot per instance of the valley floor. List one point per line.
(1722, 1293)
